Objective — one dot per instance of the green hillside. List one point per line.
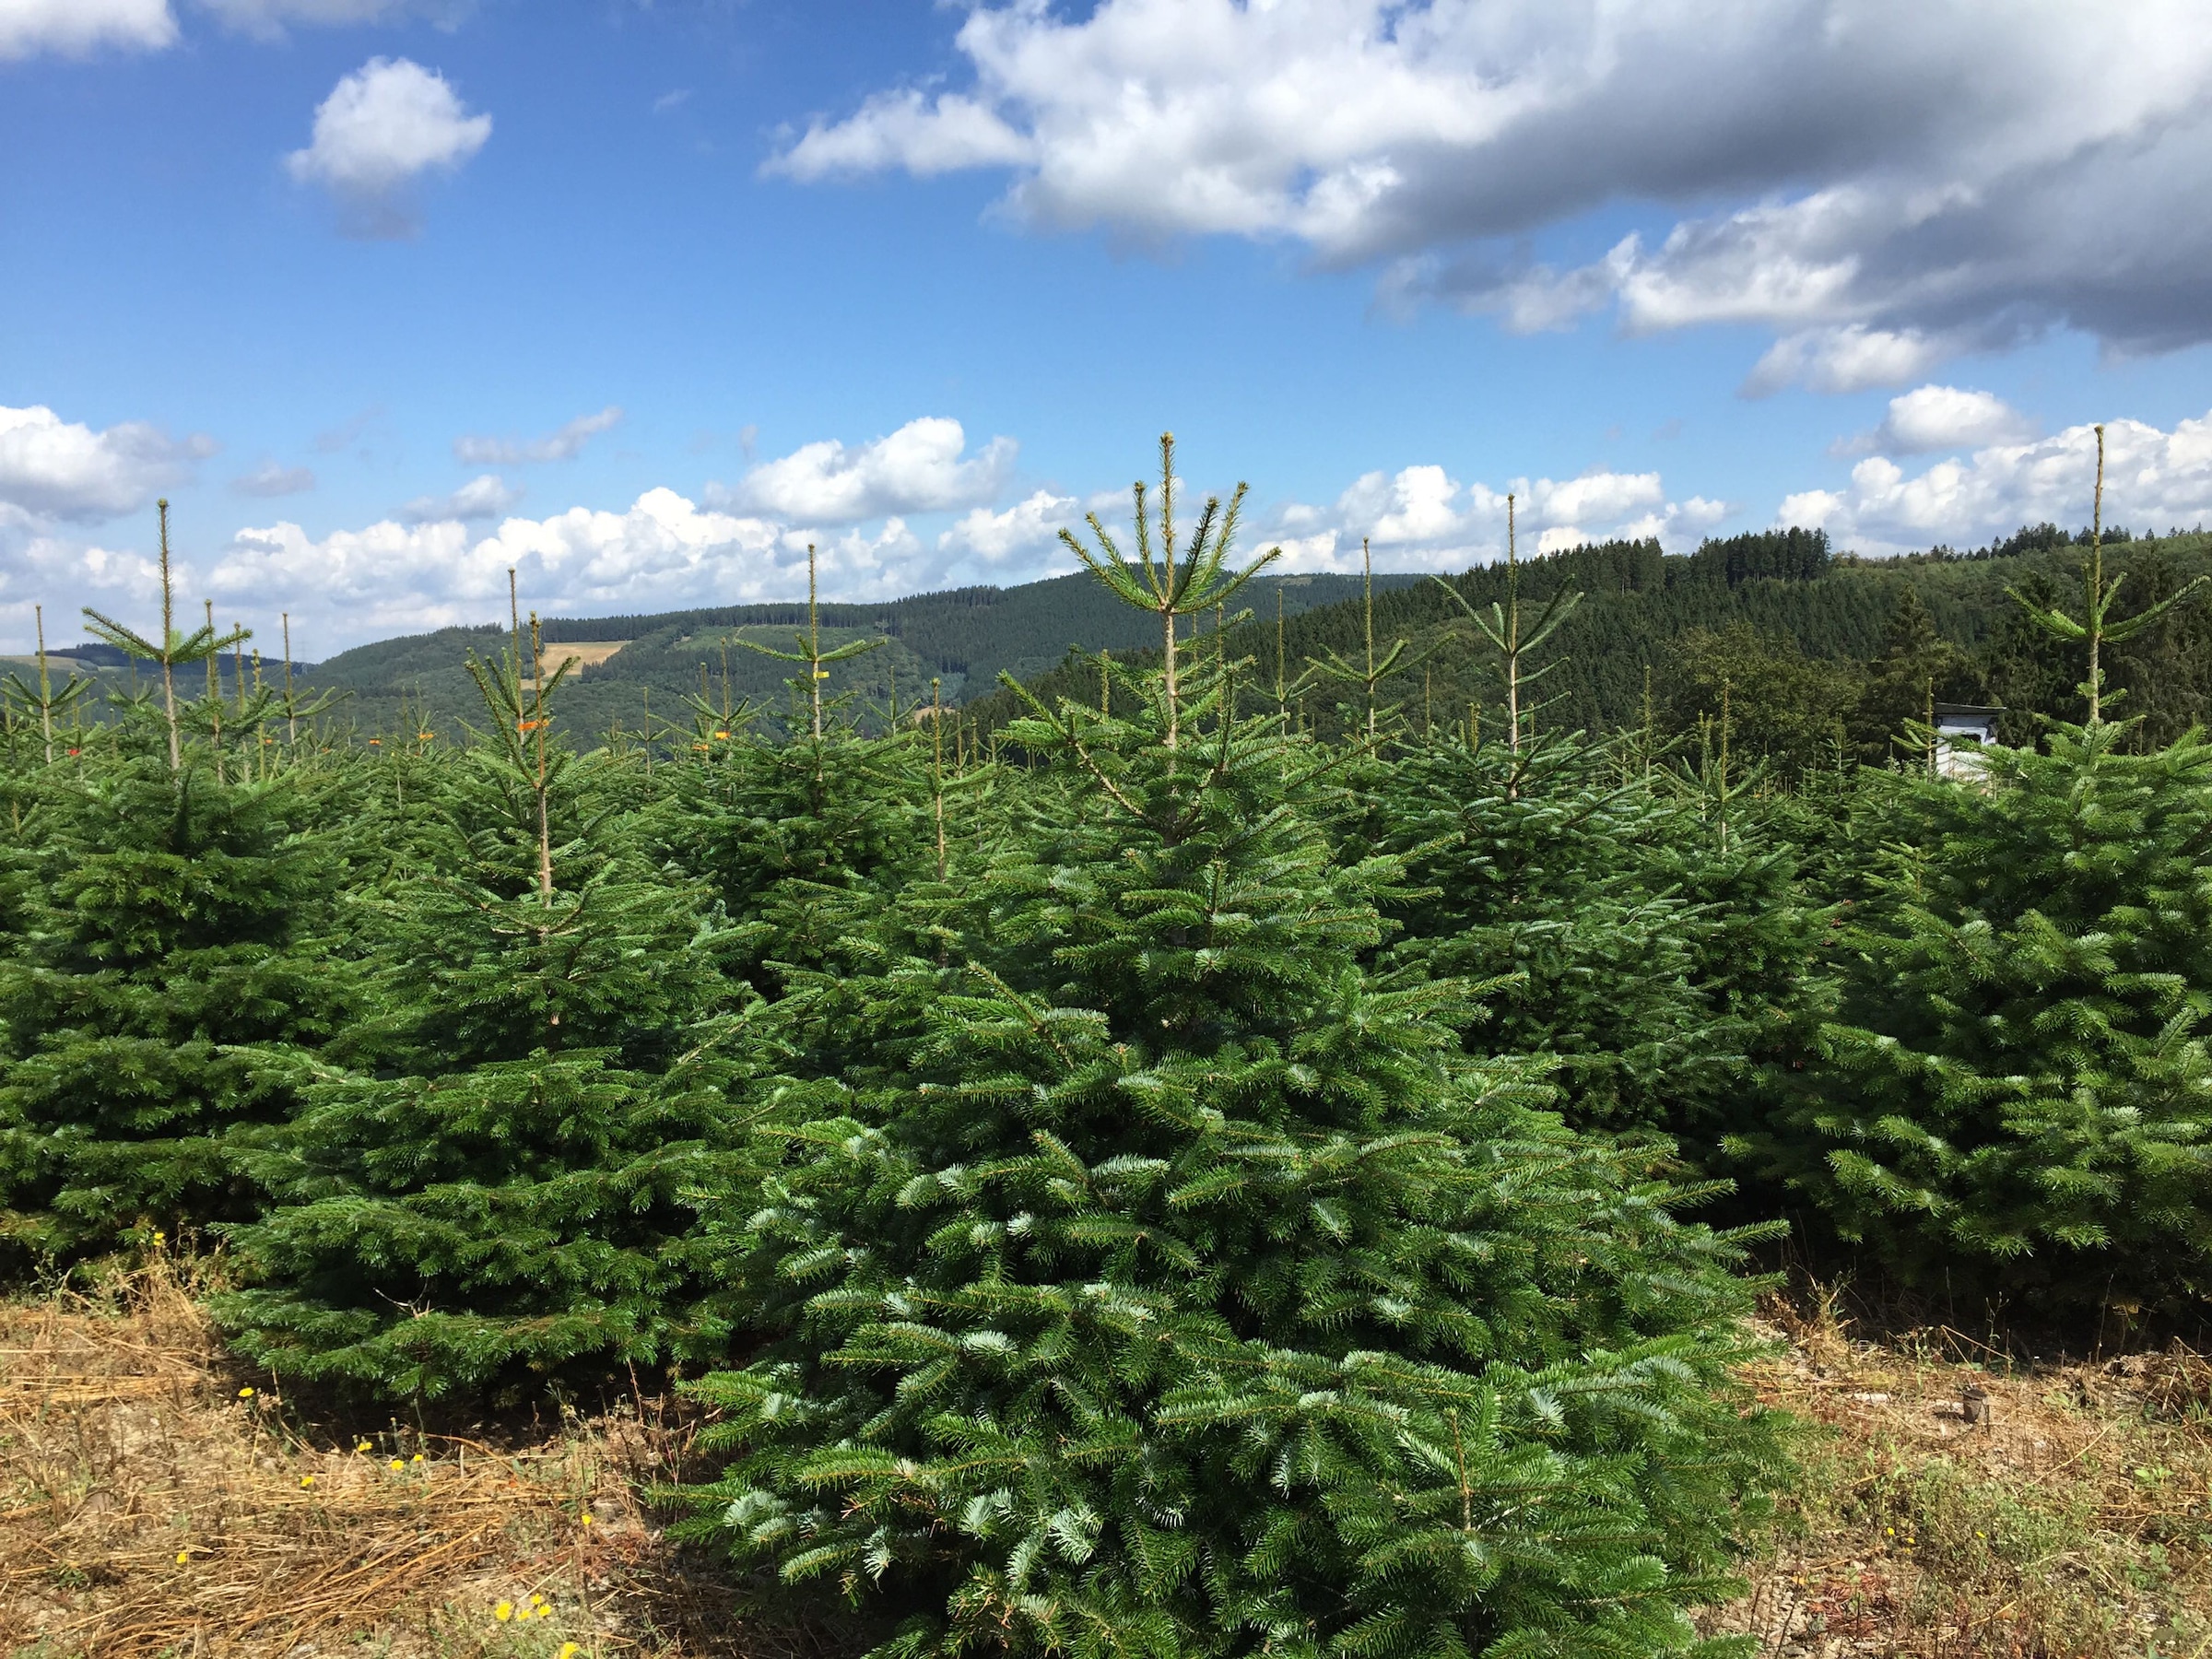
(1795, 632)
(965, 638)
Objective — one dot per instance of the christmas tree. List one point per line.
(178, 920)
(2014, 1099)
(170, 905)
(504, 1195)
(1152, 1278)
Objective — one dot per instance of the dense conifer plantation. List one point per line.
(1198, 1186)
(1650, 939)
(2017, 1097)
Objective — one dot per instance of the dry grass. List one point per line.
(579, 654)
(150, 1505)
(1955, 1503)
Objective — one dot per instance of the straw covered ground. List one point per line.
(1958, 1501)
(156, 1501)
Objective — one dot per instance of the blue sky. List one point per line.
(388, 296)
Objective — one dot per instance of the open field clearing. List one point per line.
(577, 657)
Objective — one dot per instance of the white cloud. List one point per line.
(66, 470)
(2153, 478)
(918, 468)
(1882, 183)
(382, 128)
(1940, 418)
(75, 27)
(393, 577)
(1420, 518)
(40, 566)
(1595, 496)
(1032, 525)
(269, 479)
(485, 495)
(1851, 357)
(563, 445)
(860, 566)
(664, 552)
(1414, 506)
(902, 129)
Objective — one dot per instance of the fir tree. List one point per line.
(176, 919)
(1148, 1278)
(2020, 1079)
(1658, 955)
(2028, 671)
(1915, 668)
(2014, 1099)
(1529, 869)
(790, 836)
(496, 1189)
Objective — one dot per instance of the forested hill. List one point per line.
(963, 638)
(1811, 646)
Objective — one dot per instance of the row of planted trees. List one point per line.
(1204, 1190)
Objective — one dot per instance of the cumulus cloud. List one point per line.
(1032, 525)
(1422, 518)
(440, 560)
(394, 577)
(269, 479)
(922, 467)
(1850, 358)
(382, 128)
(903, 129)
(2151, 477)
(66, 470)
(565, 444)
(1890, 178)
(483, 497)
(1940, 418)
(42, 564)
(75, 28)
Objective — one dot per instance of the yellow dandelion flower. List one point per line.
(160, 1238)
(587, 1517)
(245, 1394)
(536, 1599)
(184, 1556)
(307, 1480)
(569, 1649)
(398, 1465)
(503, 1611)
(417, 1458)
(362, 1447)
